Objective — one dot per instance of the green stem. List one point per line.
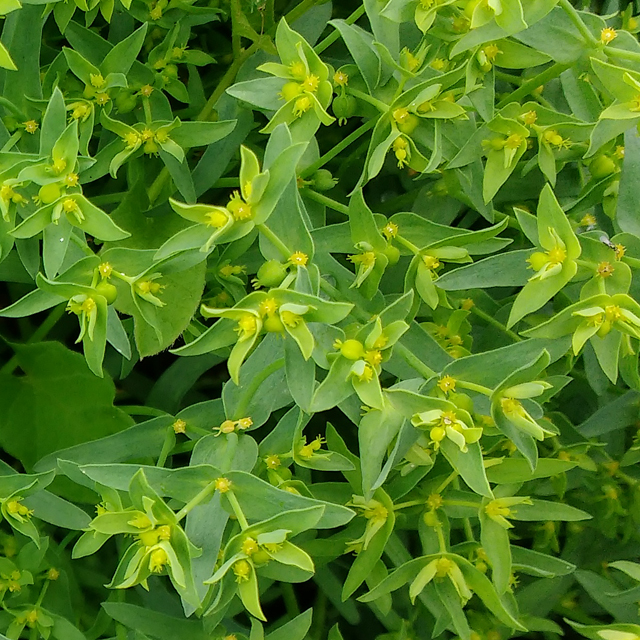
(441, 541)
(196, 500)
(450, 478)
(138, 410)
(623, 53)
(12, 141)
(407, 244)
(461, 503)
(299, 10)
(108, 198)
(329, 202)
(38, 335)
(530, 85)
(406, 505)
(573, 15)
(237, 510)
(474, 387)
(227, 183)
(290, 600)
(243, 405)
(468, 530)
(383, 107)
(507, 77)
(274, 240)
(341, 146)
(332, 37)
(147, 110)
(494, 323)
(413, 361)
(167, 446)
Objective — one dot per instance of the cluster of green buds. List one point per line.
(150, 137)
(250, 206)
(279, 311)
(307, 90)
(257, 545)
(608, 322)
(507, 403)
(448, 421)
(344, 104)
(359, 359)
(160, 545)
(376, 515)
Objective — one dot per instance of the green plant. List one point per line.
(357, 296)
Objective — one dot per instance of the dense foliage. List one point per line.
(354, 295)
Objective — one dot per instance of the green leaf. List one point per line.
(51, 406)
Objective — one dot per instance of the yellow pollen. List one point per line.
(299, 258)
(249, 547)
(491, 51)
(619, 250)
(605, 269)
(431, 262)
(272, 461)
(366, 259)
(340, 78)
(513, 141)
(223, 485)
(310, 83)
(588, 220)
(97, 81)
(612, 312)
(390, 230)
(435, 501)
(302, 105)
(30, 126)
(447, 383)
(179, 426)
(373, 357)
(268, 307)
(511, 406)
(443, 567)
(607, 35)
(158, 560)
(217, 219)
(59, 165)
(298, 70)
(290, 319)
(400, 115)
(245, 423)
(71, 180)
(247, 324)
(557, 255)
(530, 117)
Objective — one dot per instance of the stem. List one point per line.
(11, 142)
(468, 530)
(407, 244)
(38, 335)
(383, 107)
(494, 323)
(507, 77)
(225, 82)
(447, 481)
(474, 387)
(548, 74)
(332, 37)
(227, 183)
(147, 110)
(623, 53)
(413, 361)
(290, 600)
(441, 541)
(274, 240)
(243, 405)
(237, 510)
(196, 500)
(329, 202)
(137, 410)
(108, 198)
(167, 446)
(322, 160)
(569, 9)
(410, 503)
(43, 592)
